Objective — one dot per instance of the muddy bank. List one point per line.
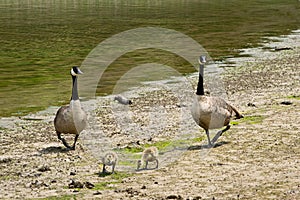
(258, 158)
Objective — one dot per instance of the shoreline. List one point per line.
(257, 158)
(267, 50)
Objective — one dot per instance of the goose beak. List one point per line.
(79, 71)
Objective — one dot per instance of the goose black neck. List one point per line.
(200, 87)
(74, 89)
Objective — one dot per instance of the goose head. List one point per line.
(75, 71)
(202, 60)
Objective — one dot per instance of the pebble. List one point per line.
(251, 104)
(5, 159)
(174, 196)
(75, 184)
(286, 103)
(53, 181)
(97, 193)
(44, 168)
(197, 198)
(38, 184)
(89, 185)
(282, 48)
(72, 173)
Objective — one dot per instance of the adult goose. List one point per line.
(211, 112)
(71, 119)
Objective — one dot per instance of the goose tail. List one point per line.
(237, 114)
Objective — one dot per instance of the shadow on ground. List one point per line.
(205, 146)
(54, 149)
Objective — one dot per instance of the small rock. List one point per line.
(143, 187)
(282, 48)
(5, 160)
(72, 173)
(286, 103)
(37, 184)
(251, 104)
(44, 168)
(75, 184)
(97, 193)
(181, 105)
(89, 185)
(155, 182)
(129, 190)
(117, 190)
(36, 174)
(174, 196)
(197, 198)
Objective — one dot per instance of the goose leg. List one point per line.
(156, 164)
(208, 138)
(63, 140)
(219, 133)
(75, 140)
(103, 169)
(146, 167)
(225, 129)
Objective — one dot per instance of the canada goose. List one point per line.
(122, 100)
(211, 112)
(71, 119)
(109, 159)
(149, 155)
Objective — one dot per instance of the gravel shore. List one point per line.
(258, 158)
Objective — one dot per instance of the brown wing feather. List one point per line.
(64, 122)
(212, 112)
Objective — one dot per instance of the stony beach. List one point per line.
(258, 158)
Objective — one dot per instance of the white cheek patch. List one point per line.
(73, 73)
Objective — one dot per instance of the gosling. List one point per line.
(149, 155)
(109, 159)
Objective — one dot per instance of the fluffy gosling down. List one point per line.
(149, 155)
(109, 159)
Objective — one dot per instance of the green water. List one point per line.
(41, 40)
